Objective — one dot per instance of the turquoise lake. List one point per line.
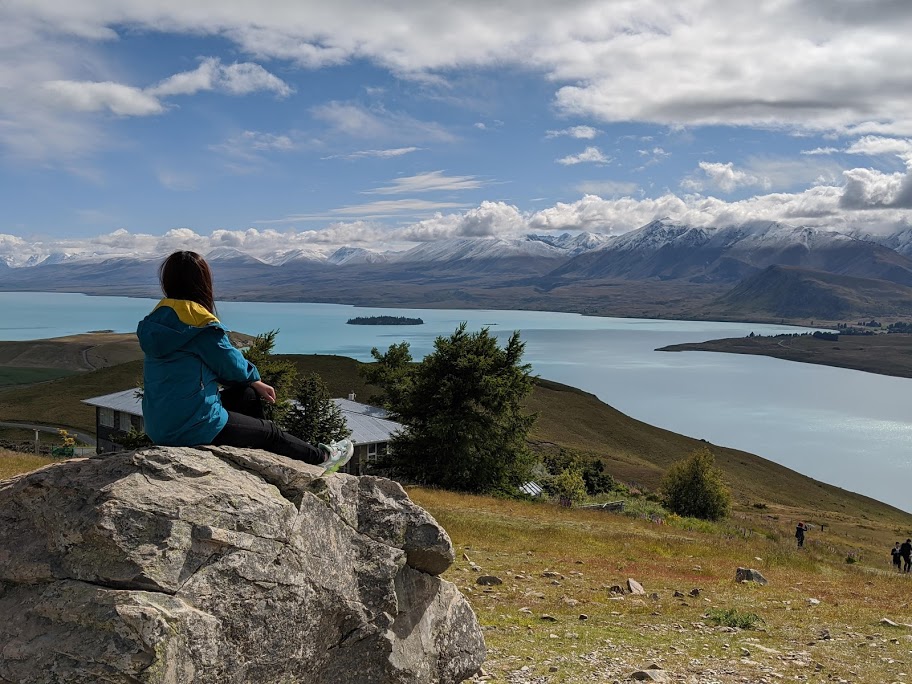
(844, 427)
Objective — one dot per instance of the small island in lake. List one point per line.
(384, 320)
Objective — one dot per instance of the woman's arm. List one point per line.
(217, 352)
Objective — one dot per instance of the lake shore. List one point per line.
(882, 354)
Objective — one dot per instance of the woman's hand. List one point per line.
(264, 391)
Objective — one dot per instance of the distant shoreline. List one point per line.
(883, 354)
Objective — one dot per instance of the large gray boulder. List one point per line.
(173, 565)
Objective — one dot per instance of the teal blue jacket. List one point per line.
(187, 356)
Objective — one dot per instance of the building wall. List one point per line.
(107, 436)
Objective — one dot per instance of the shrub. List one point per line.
(569, 485)
(693, 487)
(732, 617)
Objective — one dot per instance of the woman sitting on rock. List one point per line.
(188, 356)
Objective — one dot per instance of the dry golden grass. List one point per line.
(14, 463)
(519, 542)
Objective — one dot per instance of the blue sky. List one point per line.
(139, 126)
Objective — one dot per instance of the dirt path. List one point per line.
(82, 436)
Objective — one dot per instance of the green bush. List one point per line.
(732, 617)
(693, 487)
(569, 485)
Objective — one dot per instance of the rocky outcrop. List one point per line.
(173, 565)
(749, 575)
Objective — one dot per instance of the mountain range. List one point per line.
(758, 270)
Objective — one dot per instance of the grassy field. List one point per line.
(555, 620)
(13, 463)
(883, 354)
(557, 565)
(11, 376)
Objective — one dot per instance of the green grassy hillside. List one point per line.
(632, 451)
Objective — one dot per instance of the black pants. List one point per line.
(246, 427)
(907, 563)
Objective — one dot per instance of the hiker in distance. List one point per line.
(799, 534)
(905, 552)
(895, 554)
(188, 356)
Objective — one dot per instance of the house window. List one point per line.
(106, 417)
(371, 452)
(124, 422)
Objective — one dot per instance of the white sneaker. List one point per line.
(339, 453)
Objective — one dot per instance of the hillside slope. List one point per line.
(568, 418)
(796, 293)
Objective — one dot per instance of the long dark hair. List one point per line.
(186, 275)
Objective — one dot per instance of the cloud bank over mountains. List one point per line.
(868, 201)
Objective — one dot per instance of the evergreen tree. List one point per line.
(393, 373)
(462, 408)
(694, 487)
(315, 418)
(280, 373)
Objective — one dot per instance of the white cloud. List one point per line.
(871, 189)
(867, 201)
(591, 155)
(821, 150)
(430, 181)
(725, 177)
(487, 220)
(211, 74)
(873, 146)
(579, 132)
(86, 96)
(379, 154)
(378, 123)
(812, 65)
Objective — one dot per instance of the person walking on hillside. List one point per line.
(800, 529)
(897, 557)
(188, 355)
(905, 551)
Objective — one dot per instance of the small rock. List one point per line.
(889, 623)
(552, 575)
(813, 602)
(750, 575)
(583, 616)
(649, 676)
(616, 589)
(745, 653)
(635, 587)
(825, 634)
(566, 600)
(678, 594)
(553, 668)
(654, 596)
(694, 592)
(475, 568)
(488, 580)
(548, 618)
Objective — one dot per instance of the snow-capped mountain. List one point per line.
(294, 255)
(458, 249)
(356, 255)
(574, 244)
(224, 255)
(666, 250)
